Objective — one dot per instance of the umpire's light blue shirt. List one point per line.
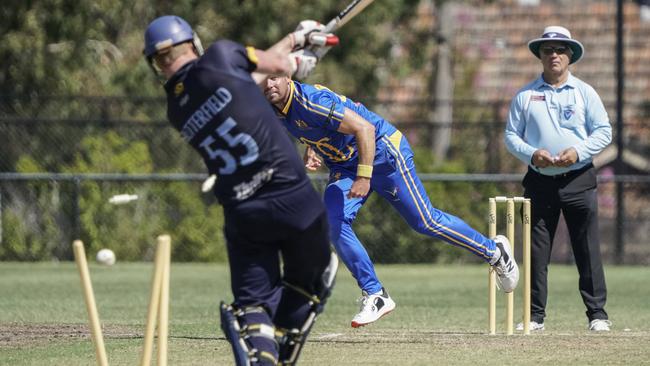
(544, 117)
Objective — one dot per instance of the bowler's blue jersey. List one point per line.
(314, 113)
(219, 110)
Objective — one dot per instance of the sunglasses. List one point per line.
(549, 50)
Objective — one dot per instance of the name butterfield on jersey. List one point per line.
(213, 105)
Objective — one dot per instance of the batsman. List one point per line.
(281, 267)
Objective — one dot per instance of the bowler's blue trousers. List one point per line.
(395, 179)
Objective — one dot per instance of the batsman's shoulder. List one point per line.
(225, 45)
(224, 49)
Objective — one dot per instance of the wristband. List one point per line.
(252, 56)
(364, 171)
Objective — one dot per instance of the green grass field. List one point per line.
(441, 318)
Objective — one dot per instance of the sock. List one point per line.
(496, 256)
(381, 292)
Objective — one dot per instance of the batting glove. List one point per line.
(303, 63)
(319, 51)
(310, 32)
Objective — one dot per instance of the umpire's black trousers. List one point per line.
(573, 194)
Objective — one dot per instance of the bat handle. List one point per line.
(322, 40)
(331, 26)
(321, 51)
(332, 40)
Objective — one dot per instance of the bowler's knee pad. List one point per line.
(251, 335)
(292, 340)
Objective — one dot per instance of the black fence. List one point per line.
(40, 215)
(62, 158)
(51, 134)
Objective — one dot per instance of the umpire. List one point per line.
(556, 124)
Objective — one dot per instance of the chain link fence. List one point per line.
(41, 214)
(62, 158)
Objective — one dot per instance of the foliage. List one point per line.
(194, 223)
(95, 48)
(37, 219)
(25, 241)
(31, 223)
(129, 229)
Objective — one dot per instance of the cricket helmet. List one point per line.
(167, 31)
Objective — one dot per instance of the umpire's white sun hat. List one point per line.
(558, 34)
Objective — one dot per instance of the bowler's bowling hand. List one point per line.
(312, 160)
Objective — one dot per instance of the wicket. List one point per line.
(158, 303)
(91, 306)
(510, 234)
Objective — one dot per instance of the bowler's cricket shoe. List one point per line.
(373, 307)
(505, 266)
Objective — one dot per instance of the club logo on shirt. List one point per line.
(328, 151)
(179, 88)
(568, 113)
(302, 125)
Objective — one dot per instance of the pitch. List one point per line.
(441, 318)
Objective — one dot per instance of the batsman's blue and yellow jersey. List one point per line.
(313, 114)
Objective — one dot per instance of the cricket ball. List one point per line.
(106, 257)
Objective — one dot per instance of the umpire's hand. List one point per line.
(542, 158)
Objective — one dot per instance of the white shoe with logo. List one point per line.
(372, 308)
(505, 266)
(600, 325)
(532, 326)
